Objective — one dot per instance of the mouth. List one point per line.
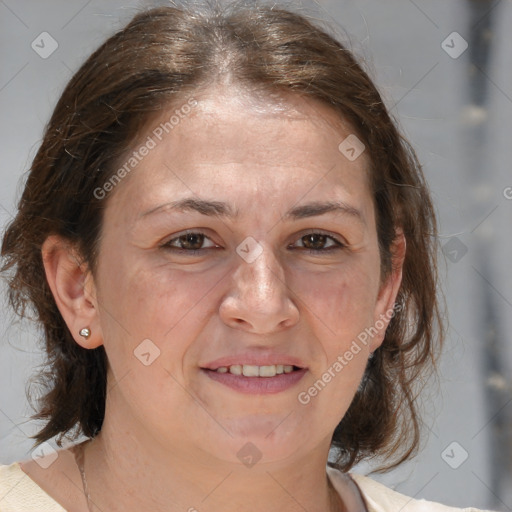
(250, 370)
(255, 379)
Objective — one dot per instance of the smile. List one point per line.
(253, 379)
(249, 370)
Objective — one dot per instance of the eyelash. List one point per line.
(339, 245)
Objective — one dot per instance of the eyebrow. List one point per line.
(224, 210)
(210, 208)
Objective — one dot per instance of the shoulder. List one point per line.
(380, 498)
(18, 492)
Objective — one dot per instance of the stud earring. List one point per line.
(85, 332)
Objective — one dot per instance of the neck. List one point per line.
(135, 472)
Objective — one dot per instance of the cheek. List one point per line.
(341, 307)
(342, 301)
(141, 301)
(166, 307)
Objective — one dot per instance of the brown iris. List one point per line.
(314, 241)
(191, 241)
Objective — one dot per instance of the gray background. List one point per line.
(458, 114)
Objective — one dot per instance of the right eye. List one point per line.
(191, 242)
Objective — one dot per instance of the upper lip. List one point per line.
(254, 359)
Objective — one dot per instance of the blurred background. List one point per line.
(445, 71)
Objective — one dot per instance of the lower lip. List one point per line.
(257, 385)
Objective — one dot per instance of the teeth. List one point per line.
(249, 370)
(268, 371)
(235, 369)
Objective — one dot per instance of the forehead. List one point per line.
(223, 141)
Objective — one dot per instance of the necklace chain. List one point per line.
(79, 459)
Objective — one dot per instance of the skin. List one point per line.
(181, 430)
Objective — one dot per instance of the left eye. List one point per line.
(319, 242)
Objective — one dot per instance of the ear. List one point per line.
(385, 308)
(73, 289)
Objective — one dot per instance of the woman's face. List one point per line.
(243, 237)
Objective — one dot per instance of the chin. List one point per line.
(277, 436)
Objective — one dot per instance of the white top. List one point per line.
(19, 493)
(379, 498)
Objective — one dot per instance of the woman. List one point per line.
(231, 251)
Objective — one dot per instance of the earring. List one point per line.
(85, 332)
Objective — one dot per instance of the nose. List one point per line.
(259, 299)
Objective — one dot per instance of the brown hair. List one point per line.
(160, 57)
